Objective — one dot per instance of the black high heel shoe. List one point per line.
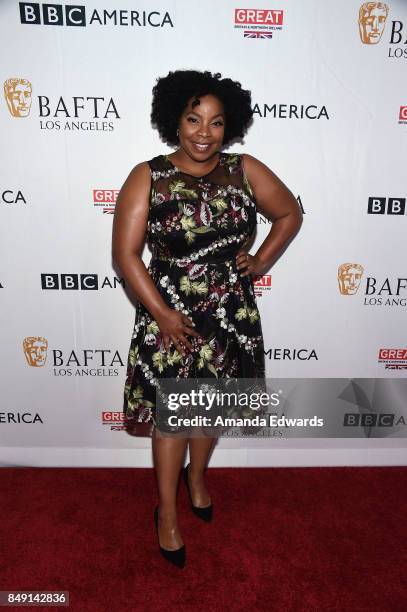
(176, 557)
(204, 513)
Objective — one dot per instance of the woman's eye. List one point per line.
(194, 120)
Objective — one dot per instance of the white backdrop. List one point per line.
(330, 120)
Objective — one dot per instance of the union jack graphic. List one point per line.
(251, 34)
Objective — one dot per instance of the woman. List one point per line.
(196, 313)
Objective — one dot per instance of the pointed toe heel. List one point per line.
(206, 513)
(176, 557)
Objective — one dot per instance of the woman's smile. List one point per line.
(201, 147)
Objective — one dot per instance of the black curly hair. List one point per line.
(172, 93)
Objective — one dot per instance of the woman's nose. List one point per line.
(203, 130)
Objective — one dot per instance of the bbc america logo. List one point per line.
(369, 419)
(74, 15)
(79, 282)
(386, 206)
(52, 14)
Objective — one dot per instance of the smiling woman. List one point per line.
(196, 312)
(201, 131)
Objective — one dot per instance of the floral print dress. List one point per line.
(195, 227)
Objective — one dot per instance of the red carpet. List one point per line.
(282, 539)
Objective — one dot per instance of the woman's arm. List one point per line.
(279, 204)
(128, 236)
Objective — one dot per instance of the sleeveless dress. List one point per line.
(195, 227)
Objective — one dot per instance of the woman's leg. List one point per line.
(168, 454)
(199, 451)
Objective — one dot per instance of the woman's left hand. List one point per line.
(251, 264)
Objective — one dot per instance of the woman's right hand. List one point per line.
(174, 325)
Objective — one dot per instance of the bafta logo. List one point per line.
(372, 19)
(18, 94)
(349, 276)
(35, 350)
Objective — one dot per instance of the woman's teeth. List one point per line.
(201, 147)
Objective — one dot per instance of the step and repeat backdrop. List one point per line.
(328, 84)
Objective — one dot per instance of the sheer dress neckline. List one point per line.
(165, 156)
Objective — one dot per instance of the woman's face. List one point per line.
(203, 124)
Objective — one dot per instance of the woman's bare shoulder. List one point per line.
(253, 164)
(141, 169)
(139, 176)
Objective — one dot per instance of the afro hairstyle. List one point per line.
(172, 93)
